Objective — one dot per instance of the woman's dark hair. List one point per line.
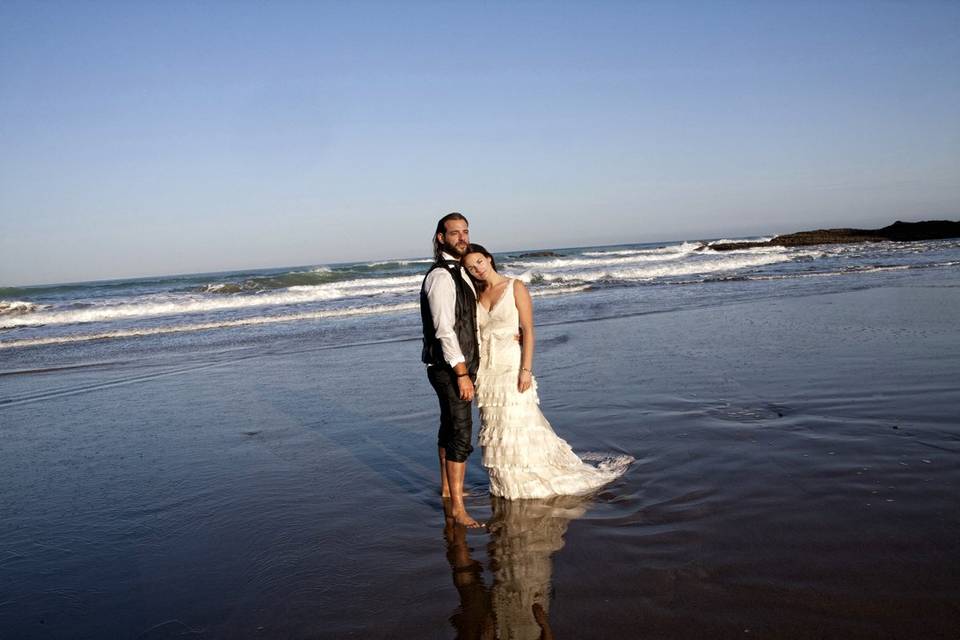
(442, 228)
(479, 248)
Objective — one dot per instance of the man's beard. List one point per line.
(452, 250)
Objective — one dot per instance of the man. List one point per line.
(448, 305)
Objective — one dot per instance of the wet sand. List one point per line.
(797, 474)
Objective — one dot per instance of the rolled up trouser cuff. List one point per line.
(458, 453)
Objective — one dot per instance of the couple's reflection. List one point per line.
(524, 534)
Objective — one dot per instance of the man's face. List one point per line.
(456, 237)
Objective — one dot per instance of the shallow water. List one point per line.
(797, 476)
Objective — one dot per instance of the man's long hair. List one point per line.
(442, 228)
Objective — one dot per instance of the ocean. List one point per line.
(344, 303)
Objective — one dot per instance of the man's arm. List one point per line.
(442, 297)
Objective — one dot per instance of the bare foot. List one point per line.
(465, 520)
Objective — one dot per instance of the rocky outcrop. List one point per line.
(538, 254)
(898, 232)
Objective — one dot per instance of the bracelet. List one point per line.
(460, 375)
(527, 370)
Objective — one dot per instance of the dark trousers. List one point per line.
(456, 418)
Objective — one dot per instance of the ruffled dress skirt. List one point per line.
(521, 453)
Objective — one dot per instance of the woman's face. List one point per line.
(477, 265)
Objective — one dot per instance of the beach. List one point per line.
(796, 476)
(737, 225)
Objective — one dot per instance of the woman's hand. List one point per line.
(524, 380)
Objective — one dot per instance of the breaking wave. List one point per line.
(708, 265)
(56, 314)
(18, 307)
(684, 247)
(203, 326)
(316, 276)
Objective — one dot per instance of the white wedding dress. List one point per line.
(521, 452)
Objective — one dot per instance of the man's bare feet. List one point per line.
(463, 518)
(454, 516)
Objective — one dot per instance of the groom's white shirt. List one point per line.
(442, 295)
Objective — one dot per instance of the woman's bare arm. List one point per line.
(525, 310)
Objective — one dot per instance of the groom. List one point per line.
(448, 305)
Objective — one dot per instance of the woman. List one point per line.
(522, 454)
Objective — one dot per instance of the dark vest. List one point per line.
(464, 324)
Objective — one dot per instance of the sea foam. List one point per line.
(710, 264)
(198, 303)
(17, 308)
(203, 326)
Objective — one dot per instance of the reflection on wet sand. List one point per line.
(474, 618)
(524, 535)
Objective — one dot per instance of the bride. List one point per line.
(521, 452)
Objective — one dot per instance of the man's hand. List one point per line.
(466, 388)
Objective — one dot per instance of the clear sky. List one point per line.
(147, 138)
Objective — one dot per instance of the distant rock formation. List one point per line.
(538, 254)
(898, 232)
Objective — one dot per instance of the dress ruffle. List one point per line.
(501, 390)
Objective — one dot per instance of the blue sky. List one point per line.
(141, 138)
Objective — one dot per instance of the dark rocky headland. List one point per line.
(537, 254)
(898, 232)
